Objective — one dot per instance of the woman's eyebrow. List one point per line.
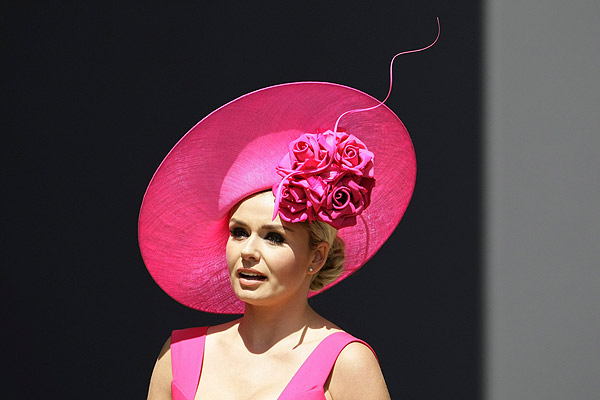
(266, 227)
(236, 221)
(277, 227)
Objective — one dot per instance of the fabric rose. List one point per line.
(301, 199)
(346, 199)
(353, 154)
(326, 177)
(305, 153)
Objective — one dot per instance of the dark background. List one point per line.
(96, 93)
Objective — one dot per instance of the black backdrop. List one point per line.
(96, 93)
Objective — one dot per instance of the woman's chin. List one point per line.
(255, 301)
(250, 294)
(254, 296)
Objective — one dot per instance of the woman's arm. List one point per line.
(357, 375)
(162, 375)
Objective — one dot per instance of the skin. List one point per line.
(255, 356)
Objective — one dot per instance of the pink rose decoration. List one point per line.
(325, 177)
(353, 154)
(306, 147)
(305, 153)
(302, 198)
(293, 205)
(347, 199)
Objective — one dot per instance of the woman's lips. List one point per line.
(250, 277)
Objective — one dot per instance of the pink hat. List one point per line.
(234, 152)
(283, 137)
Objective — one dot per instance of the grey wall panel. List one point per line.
(542, 197)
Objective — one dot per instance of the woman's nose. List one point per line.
(250, 249)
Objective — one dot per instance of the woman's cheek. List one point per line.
(229, 255)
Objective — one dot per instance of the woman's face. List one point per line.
(268, 259)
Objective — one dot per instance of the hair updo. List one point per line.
(334, 264)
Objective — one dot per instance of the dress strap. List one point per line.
(313, 374)
(187, 353)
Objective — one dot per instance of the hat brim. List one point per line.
(232, 153)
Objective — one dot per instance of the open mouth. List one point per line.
(252, 277)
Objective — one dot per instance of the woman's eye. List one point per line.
(275, 238)
(238, 233)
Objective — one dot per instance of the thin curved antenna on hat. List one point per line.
(391, 79)
(278, 193)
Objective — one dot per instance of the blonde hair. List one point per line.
(334, 264)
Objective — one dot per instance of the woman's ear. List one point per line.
(318, 258)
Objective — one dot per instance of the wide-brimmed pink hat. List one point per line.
(234, 152)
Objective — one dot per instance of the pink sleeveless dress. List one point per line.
(187, 353)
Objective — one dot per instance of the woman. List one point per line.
(269, 179)
(271, 266)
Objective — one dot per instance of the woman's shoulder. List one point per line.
(356, 374)
(177, 343)
(355, 354)
(160, 381)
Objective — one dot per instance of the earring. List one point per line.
(311, 269)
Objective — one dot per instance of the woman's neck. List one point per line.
(261, 328)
